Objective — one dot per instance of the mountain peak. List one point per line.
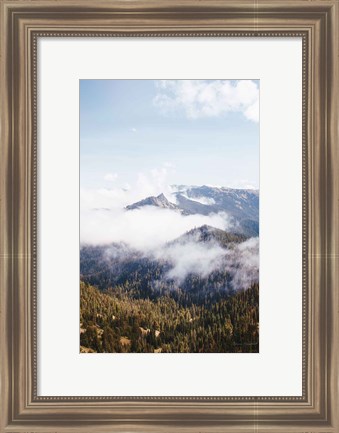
(161, 197)
(208, 234)
(157, 201)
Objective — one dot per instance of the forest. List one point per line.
(115, 321)
(132, 301)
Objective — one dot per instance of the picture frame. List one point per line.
(22, 23)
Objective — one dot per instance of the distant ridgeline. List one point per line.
(241, 205)
(167, 301)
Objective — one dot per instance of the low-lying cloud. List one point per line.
(241, 261)
(191, 258)
(149, 231)
(104, 219)
(143, 229)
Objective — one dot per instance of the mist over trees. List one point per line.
(198, 293)
(169, 263)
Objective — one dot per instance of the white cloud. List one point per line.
(148, 230)
(243, 264)
(202, 200)
(104, 219)
(111, 177)
(154, 182)
(134, 130)
(241, 261)
(191, 257)
(198, 98)
(243, 184)
(150, 183)
(145, 229)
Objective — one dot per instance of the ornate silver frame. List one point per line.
(23, 22)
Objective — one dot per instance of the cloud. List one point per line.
(200, 98)
(133, 130)
(243, 264)
(104, 220)
(143, 229)
(152, 182)
(111, 177)
(186, 257)
(240, 261)
(202, 200)
(150, 230)
(243, 184)
(191, 258)
(168, 164)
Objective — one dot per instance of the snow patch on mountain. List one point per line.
(203, 200)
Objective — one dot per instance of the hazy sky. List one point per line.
(191, 132)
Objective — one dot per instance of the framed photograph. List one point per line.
(169, 180)
(169, 253)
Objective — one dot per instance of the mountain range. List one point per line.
(158, 201)
(194, 290)
(118, 264)
(241, 205)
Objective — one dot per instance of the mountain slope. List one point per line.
(116, 322)
(209, 234)
(239, 203)
(204, 259)
(159, 201)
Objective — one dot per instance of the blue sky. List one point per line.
(192, 132)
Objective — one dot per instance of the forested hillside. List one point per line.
(196, 292)
(116, 321)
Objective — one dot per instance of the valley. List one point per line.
(195, 293)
